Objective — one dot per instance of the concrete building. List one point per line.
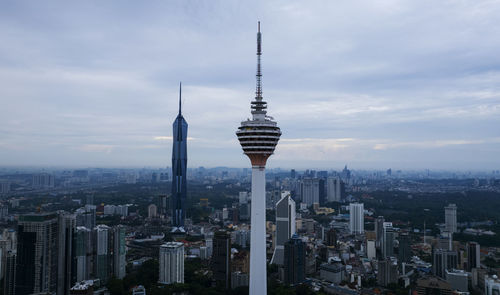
(258, 138)
(404, 251)
(332, 272)
(65, 252)
(238, 279)
(285, 227)
(491, 285)
(433, 285)
(356, 218)
(450, 217)
(83, 253)
(171, 263)
(139, 290)
(443, 260)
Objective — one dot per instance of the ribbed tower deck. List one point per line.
(258, 138)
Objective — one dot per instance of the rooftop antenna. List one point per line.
(180, 95)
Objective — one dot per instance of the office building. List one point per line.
(258, 138)
(387, 272)
(404, 251)
(433, 285)
(356, 218)
(65, 255)
(9, 278)
(221, 259)
(37, 241)
(295, 261)
(388, 240)
(171, 263)
(285, 227)
(239, 279)
(332, 272)
(458, 280)
(450, 218)
(119, 252)
(331, 237)
(443, 260)
(379, 231)
(473, 255)
(179, 164)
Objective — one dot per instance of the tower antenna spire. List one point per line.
(259, 71)
(180, 95)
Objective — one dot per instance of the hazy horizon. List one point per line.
(373, 84)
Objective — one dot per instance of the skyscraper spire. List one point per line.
(180, 95)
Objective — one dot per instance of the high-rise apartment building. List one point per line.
(387, 272)
(43, 180)
(285, 227)
(103, 256)
(36, 265)
(119, 252)
(83, 253)
(333, 189)
(171, 263)
(258, 138)
(295, 261)
(473, 255)
(221, 259)
(179, 165)
(356, 218)
(450, 218)
(310, 191)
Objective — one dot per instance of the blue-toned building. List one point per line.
(179, 164)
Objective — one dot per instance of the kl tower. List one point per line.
(258, 138)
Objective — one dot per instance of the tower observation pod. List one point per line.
(258, 138)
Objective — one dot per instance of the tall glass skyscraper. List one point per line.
(179, 163)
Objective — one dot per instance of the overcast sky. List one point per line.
(371, 84)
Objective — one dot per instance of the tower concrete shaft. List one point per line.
(258, 138)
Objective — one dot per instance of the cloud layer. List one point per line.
(374, 84)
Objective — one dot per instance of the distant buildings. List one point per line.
(404, 251)
(285, 227)
(295, 261)
(357, 218)
(152, 211)
(119, 252)
(171, 263)
(43, 180)
(103, 254)
(450, 217)
(433, 285)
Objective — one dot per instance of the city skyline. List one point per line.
(419, 90)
